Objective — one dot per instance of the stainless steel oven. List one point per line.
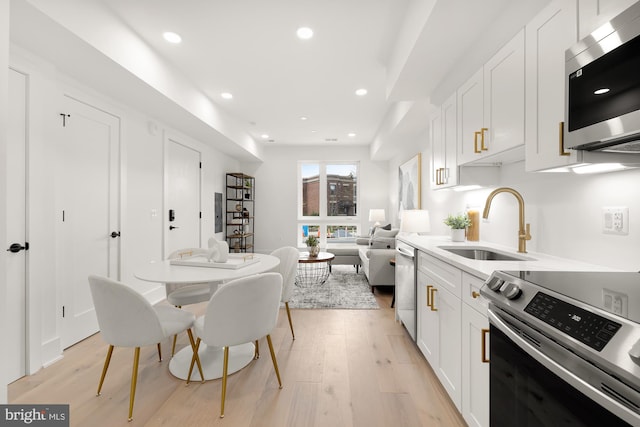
(564, 348)
(405, 291)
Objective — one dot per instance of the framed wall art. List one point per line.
(409, 178)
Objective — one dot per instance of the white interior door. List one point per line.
(183, 197)
(88, 191)
(15, 355)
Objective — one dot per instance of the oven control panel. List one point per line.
(589, 328)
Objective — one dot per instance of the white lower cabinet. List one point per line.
(475, 367)
(439, 328)
(452, 333)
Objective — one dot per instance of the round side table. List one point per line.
(313, 270)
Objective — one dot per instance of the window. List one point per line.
(327, 197)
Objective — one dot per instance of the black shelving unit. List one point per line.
(240, 212)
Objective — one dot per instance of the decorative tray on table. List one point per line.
(234, 262)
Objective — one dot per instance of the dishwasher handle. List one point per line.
(405, 252)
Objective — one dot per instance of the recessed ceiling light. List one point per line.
(313, 131)
(303, 117)
(601, 91)
(351, 134)
(172, 37)
(361, 92)
(264, 136)
(226, 95)
(304, 33)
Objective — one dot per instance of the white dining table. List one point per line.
(211, 358)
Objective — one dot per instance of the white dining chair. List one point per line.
(288, 267)
(181, 294)
(241, 311)
(127, 319)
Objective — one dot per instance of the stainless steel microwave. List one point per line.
(602, 87)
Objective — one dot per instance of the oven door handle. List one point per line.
(566, 375)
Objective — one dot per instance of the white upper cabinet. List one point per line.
(470, 118)
(548, 35)
(491, 106)
(504, 97)
(444, 170)
(594, 13)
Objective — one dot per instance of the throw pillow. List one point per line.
(380, 232)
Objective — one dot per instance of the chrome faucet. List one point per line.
(524, 231)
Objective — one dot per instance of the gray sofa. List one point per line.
(376, 254)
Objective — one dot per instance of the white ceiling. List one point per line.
(399, 50)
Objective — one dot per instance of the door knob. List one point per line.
(115, 234)
(17, 247)
(171, 227)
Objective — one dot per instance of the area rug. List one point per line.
(344, 289)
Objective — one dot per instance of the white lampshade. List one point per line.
(415, 221)
(376, 215)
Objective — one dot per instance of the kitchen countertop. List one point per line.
(483, 269)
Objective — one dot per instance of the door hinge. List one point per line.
(200, 165)
(63, 311)
(200, 215)
(62, 216)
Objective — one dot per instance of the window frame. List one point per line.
(323, 220)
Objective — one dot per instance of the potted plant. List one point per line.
(312, 243)
(458, 224)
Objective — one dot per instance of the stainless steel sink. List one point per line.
(483, 254)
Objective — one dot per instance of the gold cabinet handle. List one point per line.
(439, 176)
(482, 131)
(429, 295)
(484, 333)
(474, 294)
(561, 140)
(475, 142)
(433, 308)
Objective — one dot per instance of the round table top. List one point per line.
(322, 257)
(164, 272)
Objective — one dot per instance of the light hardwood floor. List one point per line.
(345, 368)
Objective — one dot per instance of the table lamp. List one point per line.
(415, 221)
(376, 215)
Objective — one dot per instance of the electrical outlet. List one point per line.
(615, 302)
(615, 220)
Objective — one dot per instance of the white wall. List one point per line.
(142, 190)
(276, 189)
(564, 210)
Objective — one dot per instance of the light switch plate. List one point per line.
(615, 220)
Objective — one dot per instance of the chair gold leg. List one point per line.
(173, 347)
(286, 305)
(273, 358)
(159, 353)
(225, 365)
(134, 380)
(104, 369)
(256, 353)
(195, 356)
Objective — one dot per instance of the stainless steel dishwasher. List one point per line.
(406, 287)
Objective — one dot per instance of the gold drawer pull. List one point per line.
(429, 295)
(561, 140)
(433, 308)
(475, 142)
(484, 333)
(474, 294)
(482, 131)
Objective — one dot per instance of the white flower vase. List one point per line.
(314, 251)
(457, 234)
